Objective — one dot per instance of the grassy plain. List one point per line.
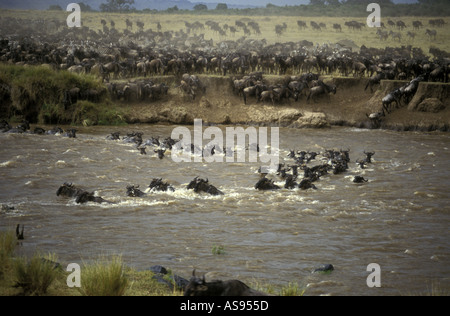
(176, 22)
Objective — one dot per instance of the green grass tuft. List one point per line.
(104, 278)
(7, 245)
(36, 276)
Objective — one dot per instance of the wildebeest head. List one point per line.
(160, 185)
(201, 185)
(196, 287)
(333, 89)
(68, 189)
(133, 191)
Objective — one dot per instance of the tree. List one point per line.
(366, 2)
(200, 7)
(333, 2)
(173, 9)
(116, 5)
(222, 6)
(85, 7)
(54, 7)
(317, 2)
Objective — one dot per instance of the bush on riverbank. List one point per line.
(103, 278)
(35, 276)
(41, 275)
(42, 95)
(7, 246)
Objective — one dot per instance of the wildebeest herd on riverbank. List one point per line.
(128, 60)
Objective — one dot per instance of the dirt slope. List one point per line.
(220, 105)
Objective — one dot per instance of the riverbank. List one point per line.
(348, 107)
(43, 96)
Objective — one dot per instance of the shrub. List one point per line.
(35, 276)
(7, 245)
(103, 278)
(38, 92)
(292, 289)
(218, 250)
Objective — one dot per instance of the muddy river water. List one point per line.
(399, 219)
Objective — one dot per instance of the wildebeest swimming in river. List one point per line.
(157, 185)
(201, 185)
(133, 191)
(81, 196)
(265, 184)
(359, 179)
(160, 185)
(22, 128)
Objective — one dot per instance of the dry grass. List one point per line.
(7, 245)
(36, 275)
(103, 278)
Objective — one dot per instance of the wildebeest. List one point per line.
(315, 26)
(302, 25)
(337, 27)
(265, 184)
(201, 185)
(374, 80)
(21, 128)
(410, 90)
(322, 88)
(160, 185)
(375, 118)
(199, 287)
(134, 191)
(396, 35)
(81, 196)
(267, 95)
(19, 233)
(393, 97)
(383, 35)
(411, 35)
(417, 25)
(359, 69)
(431, 34)
(190, 85)
(306, 184)
(401, 25)
(369, 156)
(359, 179)
(113, 136)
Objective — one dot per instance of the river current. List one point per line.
(399, 219)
